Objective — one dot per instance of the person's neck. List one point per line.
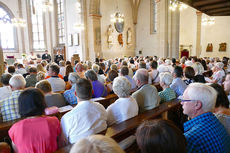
(197, 113)
(141, 85)
(165, 87)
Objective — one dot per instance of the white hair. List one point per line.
(121, 86)
(142, 75)
(17, 81)
(198, 68)
(166, 78)
(96, 68)
(168, 62)
(73, 77)
(204, 93)
(219, 65)
(96, 144)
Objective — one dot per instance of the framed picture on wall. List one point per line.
(70, 40)
(76, 39)
(222, 47)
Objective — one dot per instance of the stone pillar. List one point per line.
(198, 33)
(85, 52)
(1, 61)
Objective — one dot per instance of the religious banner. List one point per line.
(222, 47)
(209, 47)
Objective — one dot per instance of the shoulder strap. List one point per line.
(155, 76)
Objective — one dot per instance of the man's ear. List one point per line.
(198, 105)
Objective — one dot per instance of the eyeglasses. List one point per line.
(184, 100)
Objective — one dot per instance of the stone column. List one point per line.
(1, 61)
(198, 33)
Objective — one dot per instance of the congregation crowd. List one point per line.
(31, 91)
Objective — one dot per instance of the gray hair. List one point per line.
(204, 93)
(96, 144)
(198, 68)
(121, 86)
(73, 77)
(219, 65)
(142, 75)
(166, 78)
(90, 74)
(17, 81)
(96, 68)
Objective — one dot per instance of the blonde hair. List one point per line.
(40, 68)
(96, 144)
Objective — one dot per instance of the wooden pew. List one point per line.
(127, 128)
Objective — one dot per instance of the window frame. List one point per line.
(60, 24)
(153, 16)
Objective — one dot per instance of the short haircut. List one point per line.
(204, 93)
(44, 86)
(162, 136)
(54, 68)
(17, 81)
(124, 70)
(84, 89)
(112, 75)
(11, 69)
(33, 70)
(189, 72)
(40, 76)
(20, 66)
(178, 71)
(198, 68)
(153, 64)
(141, 65)
(124, 63)
(90, 74)
(96, 68)
(166, 78)
(142, 75)
(114, 67)
(31, 102)
(222, 99)
(121, 87)
(5, 78)
(96, 144)
(68, 69)
(73, 77)
(62, 63)
(79, 67)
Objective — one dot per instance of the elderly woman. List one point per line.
(99, 90)
(167, 94)
(125, 107)
(199, 70)
(218, 73)
(36, 133)
(69, 95)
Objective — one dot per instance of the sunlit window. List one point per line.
(7, 30)
(61, 23)
(37, 24)
(154, 13)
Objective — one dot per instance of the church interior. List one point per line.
(73, 53)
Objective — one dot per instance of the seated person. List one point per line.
(218, 74)
(21, 70)
(31, 79)
(4, 147)
(189, 74)
(167, 94)
(36, 133)
(109, 80)
(222, 110)
(9, 106)
(11, 70)
(86, 118)
(178, 84)
(99, 89)
(204, 132)
(57, 83)
(51, 99)
(5, 91)
(162, 136)
(96, 144)
(101, 77)
(146, 96)
(125, 72)
(227, 85)
(199, 70)
(125, 107)
(69, 95)
(154, 73)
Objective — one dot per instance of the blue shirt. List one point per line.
(99, 89)
(132, 82)
(205, 134)
(70, 96)
(178, 86)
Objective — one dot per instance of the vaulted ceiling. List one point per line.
(210, 7)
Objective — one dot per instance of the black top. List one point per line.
(46, 57)
(199, 78)
(58, 58)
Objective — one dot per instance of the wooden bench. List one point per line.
(127, 128)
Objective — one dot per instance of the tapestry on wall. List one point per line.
(209, 47)
(222, 47)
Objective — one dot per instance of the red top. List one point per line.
(59, 75)
(36, 135)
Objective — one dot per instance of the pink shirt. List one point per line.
(36, 135)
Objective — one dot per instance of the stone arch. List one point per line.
(5, 7)
(94, 7)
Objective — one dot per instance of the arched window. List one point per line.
(61, 23)
(7, 30)
(153, 16)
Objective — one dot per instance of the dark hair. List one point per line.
(142, 64)
(90, 74)
(161, 136)
(124, 70)
(75, 62)
(204, 64)
(31, 102)
(222, 99)
(67, 63)
(178, 71)
(33, 70)
(44, 86)
(11, 69)
(68, 69)
(131, 61)
(5, 78)
(153, 64)
(189, 72)
(84, 89)
(20, 66)
(54, 68)
(112, 75)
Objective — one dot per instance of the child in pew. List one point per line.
(36, 133)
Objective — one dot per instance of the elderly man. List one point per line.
(5, 91)
(9, 106)
(69, 95)
(57, 83)
(146, 95)
(227, 85)
(204, 132)
(86, 118)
